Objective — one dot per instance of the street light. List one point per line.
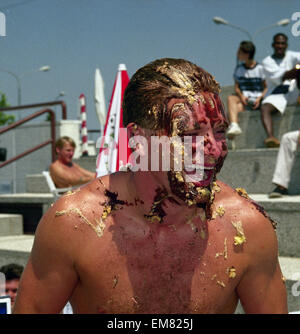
(220, 20)
(44, 68)
(280, 23)
(61, 94)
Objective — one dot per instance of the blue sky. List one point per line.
(75, 37)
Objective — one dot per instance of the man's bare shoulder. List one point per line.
(240, 204)
(87, 202)
(253, 228)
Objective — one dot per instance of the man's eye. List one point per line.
(219, 133)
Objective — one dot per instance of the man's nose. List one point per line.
(210, 146)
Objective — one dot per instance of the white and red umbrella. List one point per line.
(114, 151)
(100, 99)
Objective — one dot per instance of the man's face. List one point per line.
(280, 45)
(242, 56)
(65, 155)
(11, 289)
(205, 118)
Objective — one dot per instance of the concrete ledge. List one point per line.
(253, 135)
(286, 212)
(253, 170)
(11, 224)
(15, 249)
(32, 207)
(43, 198)
(36, 183)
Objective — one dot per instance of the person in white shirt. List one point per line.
(282, 87)
(284, 163)
(250, 87)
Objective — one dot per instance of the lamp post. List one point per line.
(220, 20)
(61, 94)
(280, 23)
(18, 78)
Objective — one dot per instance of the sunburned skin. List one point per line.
(242, 192)
(98, 227)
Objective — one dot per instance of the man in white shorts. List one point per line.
(285, 159)
(280, 69)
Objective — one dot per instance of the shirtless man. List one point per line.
(63, 171)
(149, 242)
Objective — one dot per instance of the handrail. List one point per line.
(37, 147)
(44, 104)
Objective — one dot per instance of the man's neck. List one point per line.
(63, 162)
(279, 56)
(250, 63)
(159, 204)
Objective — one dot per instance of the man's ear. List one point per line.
(134, 130)
(137, 139)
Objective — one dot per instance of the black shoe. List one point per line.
(278, 192)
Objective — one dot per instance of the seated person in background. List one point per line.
(250, 87)
(12, 273)
(63, 171)
(281, 75)
(285, 159)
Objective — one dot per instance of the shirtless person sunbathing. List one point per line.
(149, 241)
(64, 172)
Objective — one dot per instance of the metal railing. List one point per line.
(44, 104)
(30, 117)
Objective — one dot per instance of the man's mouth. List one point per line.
(200, 175)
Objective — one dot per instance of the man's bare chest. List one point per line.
(160, 272)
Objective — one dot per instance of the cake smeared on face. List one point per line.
(176, 98)
(205, 117)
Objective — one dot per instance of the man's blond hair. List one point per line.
(64, 140)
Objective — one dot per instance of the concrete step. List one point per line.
(36, 183)
(253, 135)
(11, 224)
(17, 249)
(30, 205)
(253, 169)
(286, 212)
